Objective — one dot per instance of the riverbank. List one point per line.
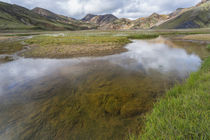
(78, 44)
(184, 111)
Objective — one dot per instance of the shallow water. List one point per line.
(88, 98)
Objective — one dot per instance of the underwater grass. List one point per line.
(184, 112)
(9, 47)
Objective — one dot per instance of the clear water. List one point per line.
(88, 98)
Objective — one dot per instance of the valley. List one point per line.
(101, 77)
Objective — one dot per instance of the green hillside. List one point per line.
(195, 17)
(14, 17)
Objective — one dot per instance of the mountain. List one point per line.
(149, 22)
(50, 15)
(99, 19)
(141, 23)
(194, 17)
(60, 18)
(177, 12)
(202, 2)
(88, 17)
(118, 24)
(14, 17)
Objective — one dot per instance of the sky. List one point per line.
(121, 8)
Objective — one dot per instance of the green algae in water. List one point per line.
(89, 98)
(106, 103)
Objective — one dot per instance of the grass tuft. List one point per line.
(184, 112)
(208, 47)
(143, 36)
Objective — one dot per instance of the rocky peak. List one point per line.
(202, 2)
(88, 17)
(176, 13)
(99, 19)
(154, 15)
(42, 11)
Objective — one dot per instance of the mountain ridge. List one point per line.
(17, 17)
(194, 17)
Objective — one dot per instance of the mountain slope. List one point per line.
(88, 17)
(195, 17)
(62, 19)
(99, 19)
(14, 17)
(51, 15)
(141, 23)
(149, 22)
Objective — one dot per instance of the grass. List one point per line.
(71, 46)
(143, 36)
(184, 112)
(88, 43)
(208, 47)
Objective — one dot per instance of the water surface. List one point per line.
(88, 98)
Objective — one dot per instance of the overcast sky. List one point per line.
(121, 8)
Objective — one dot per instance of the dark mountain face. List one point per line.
(88, 17)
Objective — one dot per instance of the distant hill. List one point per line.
(51, 15)
(60, 18)
(141, 23)
(194, 17)
(149, 22)
(14, 17)
(88, 17)
(99, 20)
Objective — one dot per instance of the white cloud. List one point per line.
(120, 8)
